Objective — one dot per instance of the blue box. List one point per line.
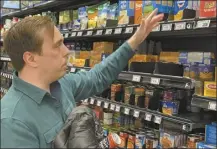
(210, 136)
(205, 146)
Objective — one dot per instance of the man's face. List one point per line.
(53, 61)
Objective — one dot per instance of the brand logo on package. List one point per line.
(211, 86)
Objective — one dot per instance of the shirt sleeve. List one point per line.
(89, 83)
(15, 134)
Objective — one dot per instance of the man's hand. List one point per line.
(146, 26)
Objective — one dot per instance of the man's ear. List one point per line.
(30, 59)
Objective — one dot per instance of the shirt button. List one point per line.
(57, 103)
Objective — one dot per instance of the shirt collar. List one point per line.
(28, 89)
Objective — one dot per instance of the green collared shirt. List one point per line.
(31, 117)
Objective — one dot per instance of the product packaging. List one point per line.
(82, 16)
(126, 12)
(205, 146)
(170, 107)
(207, 8)
(102, 15)
(92, 16)
(206, 72)
(210, 89)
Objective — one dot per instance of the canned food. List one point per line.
(140, 141)
(192, 140)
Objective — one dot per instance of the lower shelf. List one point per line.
(204, 102)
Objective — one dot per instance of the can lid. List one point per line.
(116, 138)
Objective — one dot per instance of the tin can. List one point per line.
(192, 140)
(151, 142)
(140, 141)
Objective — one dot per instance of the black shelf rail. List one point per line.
(149, 115)
(147, 78)
(204, 102)
(204, 27)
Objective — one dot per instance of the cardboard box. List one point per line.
(126, 12)
(207, 8)
(206, 72)
(85, 54)
(138, 12)
(205, 146)
(169, 57)
(105, 47)
(210, 89)
(210, 134)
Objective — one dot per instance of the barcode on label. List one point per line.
(212, 105)
(92, 101)
(112, 107)
(99, 103)
(157, 120)
(203, 23)
(106, 105)
(117, 108)
(99, 32)
(136, 78)
(126, 111)
(166, 27)
(155, 81)
(66, 35)
(156, 29)
(73, 34)
(136, 113)
(108, 31)
(180, 25)
(129, 30)
(118, 30)
(148, 117)
(79, 34)
(89, 33)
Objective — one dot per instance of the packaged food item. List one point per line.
(168, 95)
(186, 70)
(82, 16)
(194, 71)
(126, 12)
(113, 12)
(151, 142)
(205, 146)
(105, 47)
(148, 95)
(115, 90)
(167, 140)
(114, 140)
(170, 107)
(117, 119)
(92, 12)
(131, 141)
(192, 140)
(124, 136)
(102, 14)
(207, 8)
(128, 90)
(179, 7)
(206, 72)
(140, 141)
(199, 88)
(138, 92)
(138, 11)
(172, 57)
(210, 134)
(210, 89)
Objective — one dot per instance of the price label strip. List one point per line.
(117, 108)
(106, 105)
(157, 120)
(136, 114)
(136, 78)
(112, 107)
(79, 34)
(89, 33)
(148, 117)
(156, 29)
(66, 35)
(129, 30)
(92, 101)
(184, 127)
(203, 24)
(212, 106)
(126, 111)
(180, 26)
(108, 31)
(99, 103)
(99, 32)
(155, 81)
(166, 27)
(73, 34)
(118, 30)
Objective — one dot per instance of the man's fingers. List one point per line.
(156, 18)
(150, 16)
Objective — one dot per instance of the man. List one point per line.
(37, 105)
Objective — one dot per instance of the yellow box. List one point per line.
(210, 89)
(84, 54)
(169, 57)
(94, 62)
(79, 62)
(105, 47)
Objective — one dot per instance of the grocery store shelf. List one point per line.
(204, 102)
(38, 8)
(7, 75)
(2, 58)
(171, 29)
(154, 79)
(148, 115)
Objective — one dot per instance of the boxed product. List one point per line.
(170, 107)
(82, 16)
(126, 12)
(183, 58)
(207, 58)
(85, 54)
(207, 8)
(210, 134)
(96, 55)
(206, 72)
(138, 12)
(105, 47)
(169, 57)
(92, 12)
(205, 146)
(102, 14)
(210, 89)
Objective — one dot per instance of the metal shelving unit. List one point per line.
(204, 102)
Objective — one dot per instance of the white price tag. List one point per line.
(157, 120)
(73, 34)
(212, 105)
(99, 103)
(108, 31)
(11, 76)
(129, 30)
(126, 111)
(112, 107)
(99, 32)
(79, 33)
(117, 108)
(106, 104)
(166, 27)
(82, 70)
(184, 127)
(203, 23)
(148, 117)
(92, 101)
(180, 26)
(86, 101)
(118, 30)
(136, 78)
(89, 33)
(155, 81)
(156, 29)
(66, 35)
(73, 69)
(136, 113)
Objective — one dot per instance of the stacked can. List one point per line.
(138, 92)
(115, 88)
(128, 90)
